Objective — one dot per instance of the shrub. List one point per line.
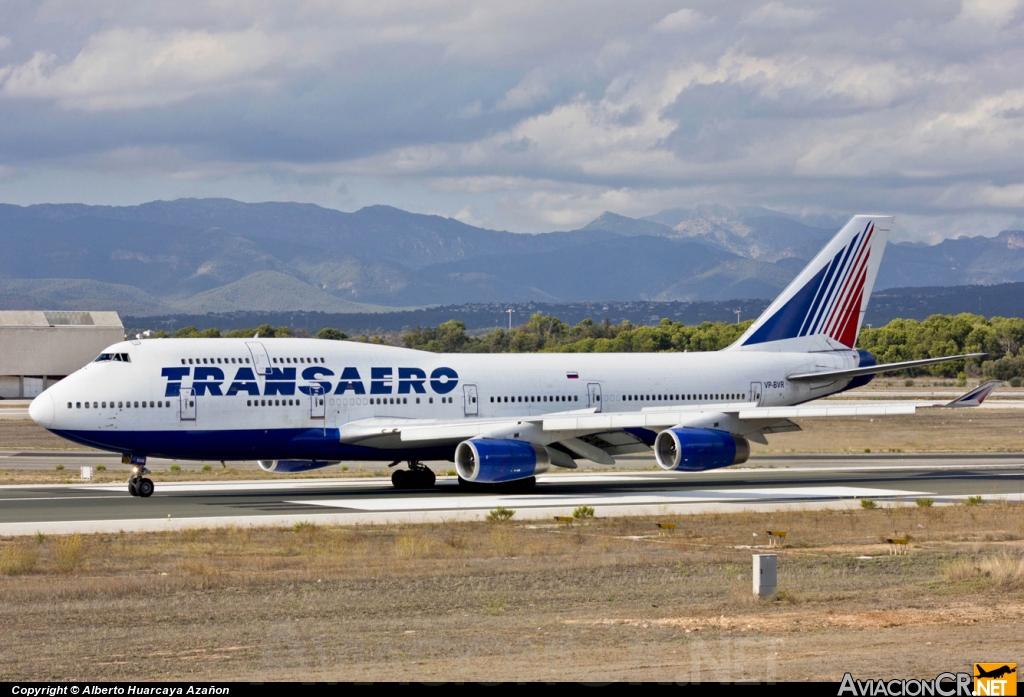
(1002, 569)
(304, 526)
(785, 597)
(101, 468)
(973, 501)
(500, 514)
(331, 334)
(909, 382)
(867, 450)
(1015, 382)
(60, 467)
(868, 503)
(924, 502)
(207, 468)
(68, 552)
(344, 468)
(175, 468)
(583, 512)
(18, 559)
(961, 380)
(451, 473)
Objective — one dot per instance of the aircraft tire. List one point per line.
(145, 488)
(428, 478)
(132, 488)
(400, 479)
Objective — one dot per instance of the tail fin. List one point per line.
(822, 309)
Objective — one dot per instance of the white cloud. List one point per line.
(131, 68)
(5, 41)
(530, 90)
(684, 20)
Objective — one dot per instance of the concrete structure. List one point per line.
(39, 348)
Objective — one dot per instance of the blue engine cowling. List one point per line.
(698, 449)
(493, 461)
(293, 466)
(867, 359)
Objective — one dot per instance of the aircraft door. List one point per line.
(755, 393)
(317, 402)
(187, 403)
(594, 396)
(469, 394)
(260, 357)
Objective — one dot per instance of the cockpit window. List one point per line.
(122, 357)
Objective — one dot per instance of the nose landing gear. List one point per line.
(138, 483)
(418, 476)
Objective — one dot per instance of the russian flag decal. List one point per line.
(572, 376)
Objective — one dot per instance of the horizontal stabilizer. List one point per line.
(975, 397)
(884, 368)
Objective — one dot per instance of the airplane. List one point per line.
(298, 404)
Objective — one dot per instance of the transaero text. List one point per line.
(210, 380)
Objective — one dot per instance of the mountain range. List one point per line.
(200, 256)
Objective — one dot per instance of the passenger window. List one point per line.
(418, 400)
(183, 361)
(246, 360)
(248, 402)
(69, 405)
(431, 400)
(190, 361)
(119, 405)
(136, 405)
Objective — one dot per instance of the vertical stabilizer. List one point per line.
(822, 309)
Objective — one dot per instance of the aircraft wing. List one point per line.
(599, 436)
(883, 368)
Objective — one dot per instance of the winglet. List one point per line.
(976, 396)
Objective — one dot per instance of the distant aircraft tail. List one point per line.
(822, 309)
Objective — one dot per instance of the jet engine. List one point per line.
(494, 461)
(698, 449)
(293, 466)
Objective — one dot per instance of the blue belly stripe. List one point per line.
(248, 444)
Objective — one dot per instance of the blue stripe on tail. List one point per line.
(786, 322)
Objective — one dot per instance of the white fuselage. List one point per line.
(207, 398)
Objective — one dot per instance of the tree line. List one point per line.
(1002, 338)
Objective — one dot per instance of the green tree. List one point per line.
(332, 334)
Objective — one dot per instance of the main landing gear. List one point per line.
(418, 476)
(138, 483)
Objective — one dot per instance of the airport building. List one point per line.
(39, 348)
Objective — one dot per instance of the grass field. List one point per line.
(604, 600)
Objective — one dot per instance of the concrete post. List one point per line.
(765, 575)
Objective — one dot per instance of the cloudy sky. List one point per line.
(527, 116)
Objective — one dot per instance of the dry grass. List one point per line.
(18, 558)
(520, 600)
(1004, 570)
(68, 552)
(928, 431)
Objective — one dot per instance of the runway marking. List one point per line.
(428, 503)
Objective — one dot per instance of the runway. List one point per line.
(770, 484)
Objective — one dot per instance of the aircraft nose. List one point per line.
(42, 410)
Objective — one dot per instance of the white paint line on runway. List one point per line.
(488, 501)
